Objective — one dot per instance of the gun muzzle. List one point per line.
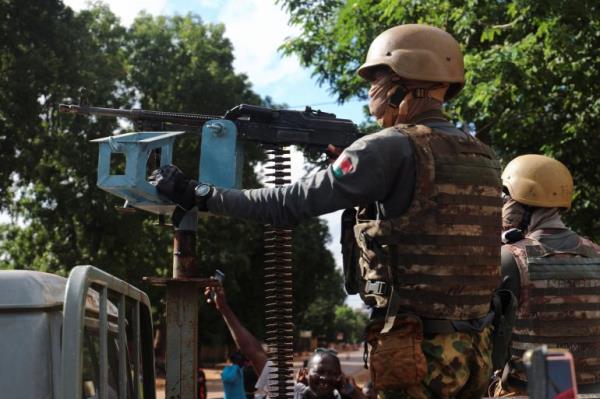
(69, 108)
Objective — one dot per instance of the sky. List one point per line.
(256, 29)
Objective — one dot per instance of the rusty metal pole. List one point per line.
(182, 313)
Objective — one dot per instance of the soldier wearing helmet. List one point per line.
(427, 222)
(553, 272)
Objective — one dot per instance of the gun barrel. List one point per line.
(140, 114)
(259, 124)
(85, 110)
(68, 108)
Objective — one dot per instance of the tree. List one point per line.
(530, 72)
(350, 322)
(48, 169)
(317, 284)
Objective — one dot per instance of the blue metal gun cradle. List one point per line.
(221, 159)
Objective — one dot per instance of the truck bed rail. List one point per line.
(126, 296)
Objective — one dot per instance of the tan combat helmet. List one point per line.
(538, 180)
(418, 52)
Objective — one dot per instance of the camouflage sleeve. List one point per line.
(365, 172)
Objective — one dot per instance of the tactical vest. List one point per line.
(443, 254)
(560, 303)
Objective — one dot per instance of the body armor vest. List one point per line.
(443, 254)
(560, 303)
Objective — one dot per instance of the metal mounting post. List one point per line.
(182, 313)
(220, 164)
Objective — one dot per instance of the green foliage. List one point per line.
(48, 168)
(319, 317)
(317, 284)
(351, 322)
(181, 64)
(531, 69)
(46, 159)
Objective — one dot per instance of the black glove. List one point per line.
(172, 183)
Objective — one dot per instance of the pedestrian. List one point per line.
(246, 343)
(428, 220)
(233, 377)
(553, 272)
(323, 378)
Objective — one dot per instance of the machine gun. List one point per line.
(221, 155)
(311, 128)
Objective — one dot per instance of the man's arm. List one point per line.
(364, 173)
(245, 341)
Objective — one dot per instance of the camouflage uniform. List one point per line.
(443, 252)
(558, 305)
(458, 366)
(442, 258)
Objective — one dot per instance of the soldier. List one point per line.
(554, 273)
(428, 221)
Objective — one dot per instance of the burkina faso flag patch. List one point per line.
(342, 166)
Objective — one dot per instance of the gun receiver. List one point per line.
(312, 128)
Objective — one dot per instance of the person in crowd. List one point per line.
(233, 377)
(323, 377)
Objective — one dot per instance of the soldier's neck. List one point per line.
(421, 110)
(432, 115)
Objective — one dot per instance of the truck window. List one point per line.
(91, 366)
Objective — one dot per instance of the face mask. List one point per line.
(385, 93)
(512, 214)
(389, 117)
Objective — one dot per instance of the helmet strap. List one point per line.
(420, 92)
(398, 96)
(436, 92)
(526, 220)
(518, 233)
(391, 110)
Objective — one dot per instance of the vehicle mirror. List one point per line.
(550, 373)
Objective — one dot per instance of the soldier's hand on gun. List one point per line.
(333, 153)
(170, 181)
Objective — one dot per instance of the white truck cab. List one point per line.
(61, 338)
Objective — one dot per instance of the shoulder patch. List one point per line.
(342, 166)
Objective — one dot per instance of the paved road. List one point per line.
(353, 365)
